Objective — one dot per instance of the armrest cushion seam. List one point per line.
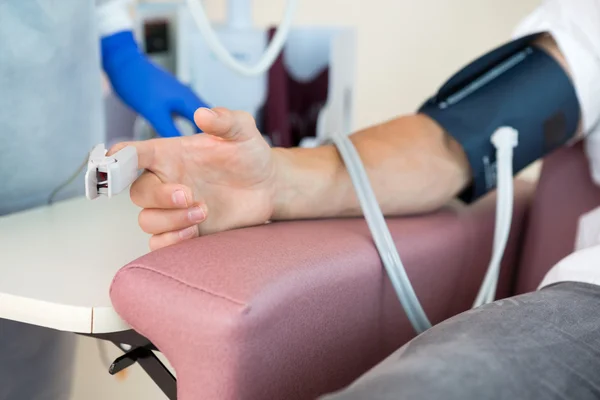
(221, 296)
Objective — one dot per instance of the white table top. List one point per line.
(57, 262)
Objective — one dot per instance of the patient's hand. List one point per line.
(221, 179)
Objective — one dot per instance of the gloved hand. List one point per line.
(146, 88)
(201, 184)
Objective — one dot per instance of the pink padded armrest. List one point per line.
(564, 192)
(297, 309)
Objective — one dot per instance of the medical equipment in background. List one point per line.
(240, 12)
(238, 43)
(110, 175)
(173, 35)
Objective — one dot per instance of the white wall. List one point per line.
(407, 48)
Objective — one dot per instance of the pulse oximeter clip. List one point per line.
(109, 176)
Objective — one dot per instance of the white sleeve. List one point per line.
(579, 266)
(575, 26)
(112, 16)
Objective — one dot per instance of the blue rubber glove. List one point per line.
(149, 90)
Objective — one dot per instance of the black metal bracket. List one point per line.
(141, 352)
(145, 357)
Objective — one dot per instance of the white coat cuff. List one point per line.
(582, 61)
(113, 17)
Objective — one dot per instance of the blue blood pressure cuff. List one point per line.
(516, 85)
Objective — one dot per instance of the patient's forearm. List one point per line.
(412, 165)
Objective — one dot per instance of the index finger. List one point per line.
(146, 152)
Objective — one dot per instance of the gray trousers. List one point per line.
(35, 363)
(541, 345)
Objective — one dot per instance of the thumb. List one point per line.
(146, 152)
(226, 124)
(187, 106)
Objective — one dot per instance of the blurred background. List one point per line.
(386, 56)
